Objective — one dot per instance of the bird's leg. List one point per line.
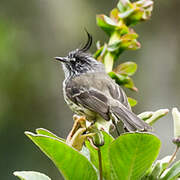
(77, 135)
(79, 121)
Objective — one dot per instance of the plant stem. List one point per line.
(171, 160)
(100, 164)
(108, 62)
(173, 156)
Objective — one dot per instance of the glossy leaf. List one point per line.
(127, 41)
(64, 157)
(31, 175)
(127, 68)
(173, 172)
(157, 115)
(132, 154)
(132, 13)
(124, 80)
(106, 23)
(115, 46)
(126, 13)
(43, 131)
(123, 5)
(100, 53)
(105, 158)
(145, 115)
(132, 101)
(158, 167)
(114, 14)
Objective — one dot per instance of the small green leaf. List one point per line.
(155, 172)
(123, 5)
(124, 80)
(64, 157)
(106, 23)
(114, 14)
(132, 154)
(132, 101)
(145, 115)
(158, 167)
(173, 172)
(130, 84)
(100, 52)
(135, 17)
(120, 43)
(105, 158)
(127, 68)
(115, 46)
(157, 115)
(43, 131)
(30, 175)
(126, 13)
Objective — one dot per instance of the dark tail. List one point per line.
(129, 119)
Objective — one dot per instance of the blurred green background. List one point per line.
(32, 32)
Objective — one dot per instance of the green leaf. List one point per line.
(130, 84)
(43, 131)
(100, 52)
(157, 115)
(124, 80)
(132, 101)
(145, 115)
(132, 154)
(30, 175)
(106, 23)
(71, 163)
(158, 167)
(115, 46)
(114, 14)
(123, 5)
(173, 172)
(126, 13)
(127, 68)
(105, 158)
(127, 41)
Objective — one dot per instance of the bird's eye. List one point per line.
(72, 59)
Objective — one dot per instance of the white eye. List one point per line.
(73, 59)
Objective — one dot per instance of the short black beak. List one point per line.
(62, 59)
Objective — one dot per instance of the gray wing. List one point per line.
(102, 97)
(117, 93)
(90, 99)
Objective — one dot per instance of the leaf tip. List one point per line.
(29, 134)
(40, 129)
(15, 173)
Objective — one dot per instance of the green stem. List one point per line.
(108, 62)
(100, 164)
(109, 57)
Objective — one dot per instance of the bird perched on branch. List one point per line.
(90, 92)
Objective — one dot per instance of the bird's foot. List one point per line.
(77, 136)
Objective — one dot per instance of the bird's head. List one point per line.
(79, 61)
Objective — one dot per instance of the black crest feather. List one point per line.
(88, 44)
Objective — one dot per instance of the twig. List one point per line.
(171, 160)
(100, 164)
(92, 144)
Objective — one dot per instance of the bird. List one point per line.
(89, 91)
